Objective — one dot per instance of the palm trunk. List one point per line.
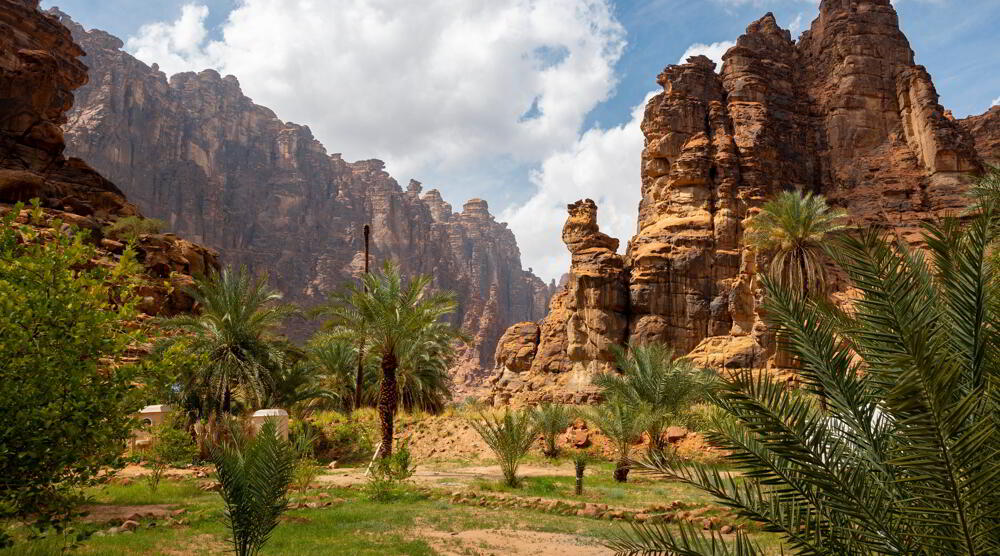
(361, 346)
(621, 471)
(388, 399)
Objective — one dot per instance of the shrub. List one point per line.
(623, 421)
(386, 474)
(171, 445)
(129, 228)
(67, 407)
(306, 467)
(551, 420)
(338, 438)
(510, 437)
(255, 475)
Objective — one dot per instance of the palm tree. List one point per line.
(255, 474)
(510, 437)
(424, 363)
(906, 458)
(623, 421)
(663, 386)
(299, 387)
(551, 420)
(793, 229)
(336, 360)
(235, 334)
(393, 315)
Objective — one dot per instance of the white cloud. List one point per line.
(714, 51)
(996, 101)
(425, 86)
(602, 165)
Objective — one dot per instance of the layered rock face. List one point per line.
(985, 130)
(844, 112)
(39, 69)
(194, 151)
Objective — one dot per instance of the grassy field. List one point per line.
(416, 523)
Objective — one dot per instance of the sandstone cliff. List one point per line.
(39, 69)
(194, 151)
(985, 130)
(844, 112)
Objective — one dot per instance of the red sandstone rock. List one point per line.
(844, 112)
(194, 151)
(39, 69)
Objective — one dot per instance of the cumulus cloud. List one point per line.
(996, 101)
(714, 52)
(424, 85)
(602, 165)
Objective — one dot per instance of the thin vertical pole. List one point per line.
(361, 346)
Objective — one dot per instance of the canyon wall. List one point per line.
(194, 151)
(39, 69)
(844, 112)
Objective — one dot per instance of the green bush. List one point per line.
(129, 228)
(386, 474)
(171, 445)
(68, 411)
(338, 438)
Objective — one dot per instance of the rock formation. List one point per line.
(39, 69)
(194, 151)
(844, 112)
(985, 130)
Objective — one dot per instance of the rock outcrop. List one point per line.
(985, 130)
(39, 69)
(194, 151)
(844, 112)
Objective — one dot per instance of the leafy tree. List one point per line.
(510, 437)
(67, 399)
(171, 445)
(905, 460)
(394, 316)
(235, 334)
(299, 387)
(551, 420)
(793, 229)
(664, 387)
(623, 421)
(255, 474)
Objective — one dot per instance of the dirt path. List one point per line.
(458, 476)
(502, 542)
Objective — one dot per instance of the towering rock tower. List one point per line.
(844, 112)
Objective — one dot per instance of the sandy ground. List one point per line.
(502, 542)
(459, 476)
(102, 513)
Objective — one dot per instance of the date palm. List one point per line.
(551, 420)
(906, 458)
(235, 334)
(792, 229)
(664, 387)
(393, 314)
(510, 437)
(623, 421)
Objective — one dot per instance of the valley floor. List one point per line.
(446, 509)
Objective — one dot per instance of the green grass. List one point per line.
(137, 493)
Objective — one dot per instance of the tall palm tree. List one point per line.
(662, 385)
(393, 315)
(235, 333)
(905, 460)
(793, 229)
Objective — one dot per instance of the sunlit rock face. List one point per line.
(844, 111)
(39, 69)
(193, 150)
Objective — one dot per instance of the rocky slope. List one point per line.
(39, 69)
(194, 151)
(844, 112)
(985, 129)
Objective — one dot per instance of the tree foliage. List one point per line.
(622, 420)
(662, 386)
(792, 229)
(906, 457)
(400, 322)
(510, 437)
(551, 420)
(255, 474)
(67, 400)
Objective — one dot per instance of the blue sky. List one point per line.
(529, 104)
